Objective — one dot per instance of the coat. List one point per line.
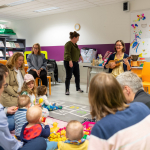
(9, 96)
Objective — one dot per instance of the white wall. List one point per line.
(99, 25)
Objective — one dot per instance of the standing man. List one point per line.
(71, 58)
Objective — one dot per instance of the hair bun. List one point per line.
(71, 33)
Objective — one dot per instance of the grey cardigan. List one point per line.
(36, 62)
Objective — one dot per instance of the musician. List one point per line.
(119, 54)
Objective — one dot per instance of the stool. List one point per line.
(49, 78)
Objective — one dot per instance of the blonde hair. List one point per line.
(25, 88)
(12, 60)
(39, 47)
(105, 96)
(23, 101)
(33, 114)
(74, 130)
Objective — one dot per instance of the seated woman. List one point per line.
(37, 64)
(119, 54)
(14, 80)
(119, 125)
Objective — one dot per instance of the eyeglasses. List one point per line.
(5, 85)
(118, 45)
(35, 48)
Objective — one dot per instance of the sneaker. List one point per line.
(67, 93)
(81, 91)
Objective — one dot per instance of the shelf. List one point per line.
(20, 43)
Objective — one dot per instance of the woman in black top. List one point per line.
(71, 58)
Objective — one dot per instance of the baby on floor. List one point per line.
(20, 115)
(41, 94)
(74, 133)
(33, 128)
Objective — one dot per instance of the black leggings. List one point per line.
(43, 76)
(75, 70)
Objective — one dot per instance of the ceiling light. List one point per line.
(46, 9)
(19, 2)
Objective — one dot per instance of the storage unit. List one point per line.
(8, 46)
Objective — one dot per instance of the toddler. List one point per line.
(33, 128)
(29, 88)
(20, 115)
(41, 94)
(74, 133)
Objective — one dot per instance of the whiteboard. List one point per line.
(140, 33)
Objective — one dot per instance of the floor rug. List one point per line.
(71, 111)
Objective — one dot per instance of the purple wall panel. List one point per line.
(57, 52)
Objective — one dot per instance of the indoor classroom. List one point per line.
(74, 75)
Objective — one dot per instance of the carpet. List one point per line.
(70, 111)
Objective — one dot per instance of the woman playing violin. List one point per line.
(118, 55)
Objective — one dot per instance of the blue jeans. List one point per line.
(11, 122)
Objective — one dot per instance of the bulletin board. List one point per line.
(140, 33)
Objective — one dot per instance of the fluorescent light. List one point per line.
(46, 9)
(19, 2)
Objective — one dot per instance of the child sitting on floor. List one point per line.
(33, 128)
(74, 133)
(29, 88)
(20, 115)
(41, 94)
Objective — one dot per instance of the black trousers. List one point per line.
(43, 76)
(75, 70)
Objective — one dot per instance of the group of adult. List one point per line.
(15, 78)
(111, 98)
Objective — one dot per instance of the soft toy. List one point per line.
(45, 112)
(54, 128)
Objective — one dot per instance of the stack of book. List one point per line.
(1, 54)
(14, 45)
(1, 44)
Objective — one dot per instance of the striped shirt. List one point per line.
(126, 130)
(20, 120)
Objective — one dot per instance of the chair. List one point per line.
(146, 76)
(49, 79)
(51, 68)
(3, 62)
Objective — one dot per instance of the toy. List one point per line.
(56, 137)
(87, 127)
(100, 59)
(40, 100)
(54, 128)
(43, 119)
(15, 108)
(45, 112)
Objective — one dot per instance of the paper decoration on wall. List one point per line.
(134, 25)
(143, 42)
(143, 50)
(140, 35)
(135, 44)
(140, 17)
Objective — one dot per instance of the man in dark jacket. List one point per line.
(133, 88)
